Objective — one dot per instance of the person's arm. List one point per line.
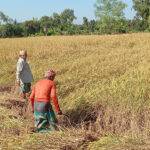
(32, 97)
(19, 69)
(55, 99)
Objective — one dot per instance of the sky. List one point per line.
(27, 9)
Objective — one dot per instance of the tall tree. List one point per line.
(31, 27)
(56, 20)
(142, 8)
(4, 18)
(67, 18)
(109, 8)
(63, 22)
(46, 23)
(108, 12)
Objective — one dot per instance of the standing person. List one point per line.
(42, 92)
(24, 76)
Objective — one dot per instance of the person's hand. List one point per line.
(60, 112)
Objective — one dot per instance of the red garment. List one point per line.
(43, 91)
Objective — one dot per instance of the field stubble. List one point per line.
(103, 81)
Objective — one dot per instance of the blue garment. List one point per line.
(45, 118)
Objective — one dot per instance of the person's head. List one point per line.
(50, 74)
(23, 54)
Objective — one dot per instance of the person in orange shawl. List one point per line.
(42, 93)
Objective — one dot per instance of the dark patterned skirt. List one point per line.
(25, 87)
(45, 118)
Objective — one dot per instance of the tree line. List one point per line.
(110, 19)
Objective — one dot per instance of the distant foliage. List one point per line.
(110, 15)
(110, 19)
(142, 8)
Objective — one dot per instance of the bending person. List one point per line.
(42, 92)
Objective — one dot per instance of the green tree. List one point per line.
(4, 18)
(109, 13)
(85, 25)
(142, 8)
(31, 27)
(63, 22)
(67, 17)
(46, 24)
(56, 23)
(18, 30)
(88, 26)
(92, 26)
(6, 30)
(11, 30)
